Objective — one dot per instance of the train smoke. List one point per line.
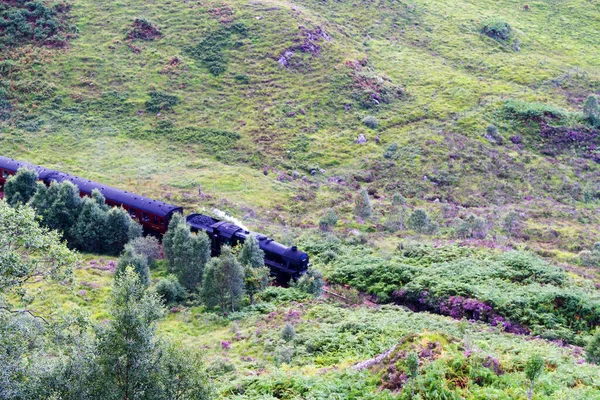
(223, 215)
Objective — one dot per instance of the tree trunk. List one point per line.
(530, 391)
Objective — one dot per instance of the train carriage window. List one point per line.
(132, 213)
(162, 221)
(5, 173)
(145, 217)
(155, 220)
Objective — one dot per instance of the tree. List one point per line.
(288, 332)
(412, 364)
(148, 246)
(89, 232)
(170, 290)
(28, 252)
(137, 262)
(125, 360)
(419, 221)
(593, 349)
(117, 229)
(223, 282)
(362, 204)
(127, 348)
(591, 111)
(533, 369)
(21, 187)
(256, 275)
(186, 254)
(59, 206)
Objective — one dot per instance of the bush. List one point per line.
(493, 135)
(21, 187)
(170, 290)
(496, 29)
(593, 349)
(288, 332)
(370, 122)
(137, 262)
(148, 246)
(591, 111)
(160, 102)
(311, 282)
(420, 222)
(143, 29)
(329, 219)
(211, 50)
(531, 111)
(362, 204)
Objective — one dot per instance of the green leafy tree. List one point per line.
(533, 370)
(362, 204)
(28, 252)
(419, 221)
(223, 282)
(592, 350)
(412, 364)
(138, 262)
(135, 230)
(288, 332)
(59, 207)
(21, 187)
(89, 232)
(117, 229)
(186, 254)
(256, 275)
(127, 348)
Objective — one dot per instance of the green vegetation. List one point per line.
(475, 172)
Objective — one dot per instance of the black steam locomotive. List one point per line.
(284, 262)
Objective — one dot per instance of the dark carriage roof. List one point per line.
(117, 195)
(86, 186)
(14, 165)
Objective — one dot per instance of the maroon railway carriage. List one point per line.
(154, 215)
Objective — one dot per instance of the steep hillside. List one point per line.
(328, 124)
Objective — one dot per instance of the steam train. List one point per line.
(285, 262)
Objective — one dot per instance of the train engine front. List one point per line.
(285, 262)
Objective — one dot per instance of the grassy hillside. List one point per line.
(467, 108)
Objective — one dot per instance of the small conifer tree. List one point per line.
(362, 204)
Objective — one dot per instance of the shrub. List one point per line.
(143, 29)
(420, 222)
(512, 223)
(493, 135)
(398, 199)
(370, 122)
(288, 332)
(496, 29)
(160, 102)
(592, 350)
(591, 111)
(472, 227)
(329, 219)
(311, 282)
(170, 290)
(148, 246)
(391, 152)
(211, 50)
(362, 204)
(531, 111)
(139, 264)
(533, 369)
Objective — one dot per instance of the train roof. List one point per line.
(14, 165)
(86, 186)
